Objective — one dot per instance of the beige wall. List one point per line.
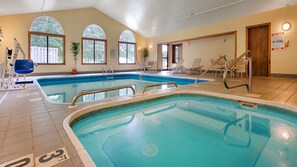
(282, 62)
(74, 22)
(210, 48)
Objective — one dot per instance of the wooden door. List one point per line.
(258, 41)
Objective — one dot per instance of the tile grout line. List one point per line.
(293, 83)
(291, 96)
(44, 101)
(282, 90)
(4, 97)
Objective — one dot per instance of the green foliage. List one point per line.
(127, 53)
(46, 24)
(127, 36)
(75, 49)
(1, 34)
(94, 31)
(93, 51)
(145, 53)
(49, 42)
(49, 25)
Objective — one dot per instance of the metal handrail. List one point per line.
(221, 57)
(99, 91)
(108, 72)
(111, 71)
(154, 85)
(232, 124)
(249, 84)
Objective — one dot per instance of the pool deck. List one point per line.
(30, 124)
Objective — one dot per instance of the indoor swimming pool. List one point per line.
(63, 89)
(189, 130)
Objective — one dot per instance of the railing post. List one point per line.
(221, 57)
(99, 91)
(225, 61)
(249, 84)
(250, 73)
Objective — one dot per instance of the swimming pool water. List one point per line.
(189, 130)
(61, 90)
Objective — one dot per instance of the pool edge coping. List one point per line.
(86, 158)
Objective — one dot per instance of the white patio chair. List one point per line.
(241, 67)
(196, 66)
(140, 66)
(152, 65)
(178, 68)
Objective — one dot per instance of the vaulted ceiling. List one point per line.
(153, 17)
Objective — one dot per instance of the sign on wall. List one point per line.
(112, 53)
(278, 41)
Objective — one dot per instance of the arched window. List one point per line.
(127, 48)
(94, 45)
(47, 41)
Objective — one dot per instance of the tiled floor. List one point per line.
(30, 124)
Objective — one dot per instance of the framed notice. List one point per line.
(278, 41)
(112, 53)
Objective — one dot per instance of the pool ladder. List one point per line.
(99, 91)
(212, 66)
(248, 85)
(245, 118)
(108, 72)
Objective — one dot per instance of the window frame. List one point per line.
(82, 50)
(47, 35)
(178, 57)
(135, 52)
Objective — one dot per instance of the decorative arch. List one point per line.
(46, 24)
(127, 36)
(94, 31)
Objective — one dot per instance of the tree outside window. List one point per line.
(94, 45)
(46, 38)
(127, 48)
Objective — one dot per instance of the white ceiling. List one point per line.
(153, 17)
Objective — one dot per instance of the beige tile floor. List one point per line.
(30, 124)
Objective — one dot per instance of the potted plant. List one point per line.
(1, 35)
(145, 53)
(75, 50)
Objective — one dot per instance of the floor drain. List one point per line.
(149, 150)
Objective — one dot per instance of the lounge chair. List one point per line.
(178, 68)
(151, 65)
(195, 66)
(219, 67)
(140, 66)
(240, 67)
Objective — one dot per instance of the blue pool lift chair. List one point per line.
(23, 67)
(10, 81)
